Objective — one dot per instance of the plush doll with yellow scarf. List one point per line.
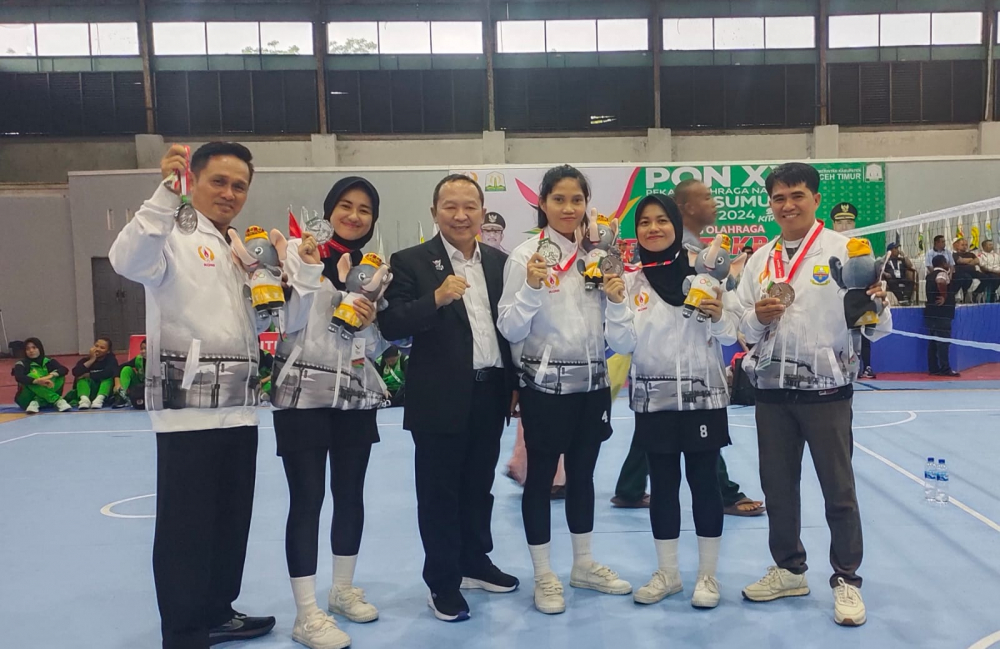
(262, 257)
(856, 276)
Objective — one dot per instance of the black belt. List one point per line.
(488, 374)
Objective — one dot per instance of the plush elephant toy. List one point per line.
(713, 265)
(369, 279)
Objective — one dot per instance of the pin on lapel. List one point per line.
(438, 265)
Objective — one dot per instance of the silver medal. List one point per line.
(550, 252)
(783, 291)
(321, 229)
(186, 218)
(612, 263)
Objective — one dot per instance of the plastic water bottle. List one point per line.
(930, 480)
(942, 481)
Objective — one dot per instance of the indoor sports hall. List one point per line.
(106, 107)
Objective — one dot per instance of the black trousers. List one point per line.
(204, 500)
(701, 470)
(866, 353)
(305, 471)
(937, 352)
(454, 473)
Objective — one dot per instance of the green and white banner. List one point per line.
(847, 188)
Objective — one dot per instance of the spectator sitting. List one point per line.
(937, 249)
(938, 314)
(895, 274)
(392, 368)
(265, 365)
(130, 384)
(39, 379)
(95, 375)
(966, 271)
(989, 264)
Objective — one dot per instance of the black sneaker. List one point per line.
(241, 627)
(951, 373)
(449, 606)
(491, 579)
(867, 374)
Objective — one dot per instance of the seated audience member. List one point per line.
(966, 271)
(39, 379)
(130, 384)
(392, 368)
(95, 376)
(937, 248)
(989, 264)
(938, 315)
(896, 274)
(265, 363)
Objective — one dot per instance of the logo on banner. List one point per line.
(207, 256)
(821, 275)
(873, 173)
(495, 182)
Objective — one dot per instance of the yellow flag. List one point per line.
(420, 230)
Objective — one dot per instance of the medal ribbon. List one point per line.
(779, 263)
(564, 267)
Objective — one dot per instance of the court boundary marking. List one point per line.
(108, 510)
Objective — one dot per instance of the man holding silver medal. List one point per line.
(802, 368)
(203, 409)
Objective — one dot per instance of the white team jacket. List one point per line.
(813, 348)
(677, 362)
(556, 333)
(195, 309)
(325, 371)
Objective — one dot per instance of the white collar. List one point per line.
(453, 251)
(568, 247)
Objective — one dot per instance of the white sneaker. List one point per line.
(62, 405)
(32, 408)
(350, 602)
(777, 583)
(98, 402)
(84, 403)
(706, 592)
(318, 631)
(659, 587)
(848, 607)
(600, 578)
(549, 594)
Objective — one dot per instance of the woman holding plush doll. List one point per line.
(326, 391)
(678, 386)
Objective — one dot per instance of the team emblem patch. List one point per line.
(821, 275)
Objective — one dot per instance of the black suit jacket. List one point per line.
(439, 379)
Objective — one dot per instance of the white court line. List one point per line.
(988, 641)
(957, 503)
(911, 416)
(107, 509)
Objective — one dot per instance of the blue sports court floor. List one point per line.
(74, 576)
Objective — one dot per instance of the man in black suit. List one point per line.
(459, 392)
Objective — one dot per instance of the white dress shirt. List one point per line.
(989, 261)
(486, 349)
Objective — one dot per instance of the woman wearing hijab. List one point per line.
(678, 393)
(326, 391)
(39, 379)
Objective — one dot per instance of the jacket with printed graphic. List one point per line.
(813, 348)
(201, 331)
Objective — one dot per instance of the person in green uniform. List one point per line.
(130, 384)
(39, 379)
(392, 368)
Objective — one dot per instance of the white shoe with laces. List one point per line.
(32, 408)
(317, 630)
(659, 587)
(84, 403)
(62, 405)
(350, 602)
(98, 402)
(848, 607)
(777, 583)
(600, 578)
(706, 592)
(549, 594)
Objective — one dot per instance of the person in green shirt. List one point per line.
(130, 384)
(39, 379)
(392, 368)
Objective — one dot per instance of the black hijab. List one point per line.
(338, 244)
(667, 280)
